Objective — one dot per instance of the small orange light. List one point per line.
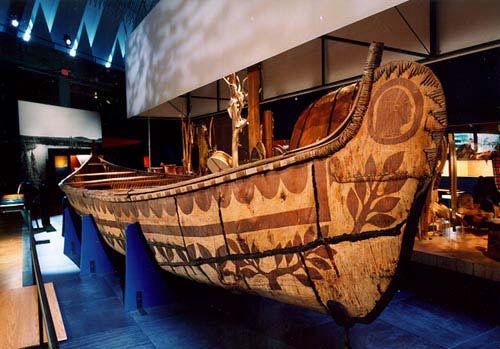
(61, 161)
(146, 161)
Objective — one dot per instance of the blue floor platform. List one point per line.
(432, 310)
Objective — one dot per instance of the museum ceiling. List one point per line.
(95, 30)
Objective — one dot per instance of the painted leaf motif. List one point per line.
(386, 204)
(233, 245)
(331, 252)
(254, 248)
(352, 203)
(309, 236)
(314, 274)
(393, 186)
(169, 253)
(393, 162)
(303, 279)
(288, 258)
(370, 167)
(360, 188)
(320, 263)
(160, 250)
(240, 263)
(381, 220)
(181, 255)
(204, 252)
(278, 258)
(322, 252)
(191, 250)
(273, 284)
(297, 240)
(244, 245)
(221, 251)
(248, 273)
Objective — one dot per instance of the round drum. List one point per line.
(323, 117)
(170, 169)
(219, 161)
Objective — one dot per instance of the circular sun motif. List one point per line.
(395, 112)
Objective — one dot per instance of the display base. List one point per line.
(94, 258)
(145, 281)
(72, 243)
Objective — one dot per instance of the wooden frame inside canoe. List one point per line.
(326, 226)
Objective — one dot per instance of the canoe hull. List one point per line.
(327, 230)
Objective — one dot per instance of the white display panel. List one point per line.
(44, 120)
(183, 45)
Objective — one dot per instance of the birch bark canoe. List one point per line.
(326, 226)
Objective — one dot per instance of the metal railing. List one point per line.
(44, 315)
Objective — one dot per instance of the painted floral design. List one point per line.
(287, 260)
(368, 202)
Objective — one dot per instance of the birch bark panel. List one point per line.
(367, 206)
(200, 223)
(278, 278)
(191, 273)
(356, 274)
(268, 211)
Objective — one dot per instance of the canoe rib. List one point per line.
(327, 226)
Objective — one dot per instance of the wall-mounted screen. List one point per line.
(487, 141)
(44, 120)
(463, 138)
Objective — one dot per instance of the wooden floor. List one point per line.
(19, 314)
(459, 251)
(11, 251)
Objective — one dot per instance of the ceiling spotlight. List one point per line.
(27, 36)
(67, 40)
(15, 23)
(107, 65)
(72, 52)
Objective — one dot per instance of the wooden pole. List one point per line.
(149, 143)
(453, 177)
(253, 118)
(268, 125)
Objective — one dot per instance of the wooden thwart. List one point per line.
(19, 314)
(119, 179)
(103, 173)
